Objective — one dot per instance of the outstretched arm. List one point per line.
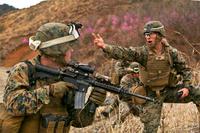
(128, 54)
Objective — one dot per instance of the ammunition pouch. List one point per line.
(54, 117)
(141, 91)
(174, 78)
(51, 123)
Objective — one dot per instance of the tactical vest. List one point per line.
(156, 73)
(51, 118)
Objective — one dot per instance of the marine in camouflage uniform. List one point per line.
(160, 66)
(128, 81)
(46, 105)
(117, 73)
(128, 75)
(132, 76)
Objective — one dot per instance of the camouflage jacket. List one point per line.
(129, 80)
(120, 68)
(140, 55)
(20, 99)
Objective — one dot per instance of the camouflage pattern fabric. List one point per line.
(50, 31)
(140, 55)
(154, 26)
(120, 68)
(128, 81)
(119, 71)
(22, 100)
(19, 98)
(125, 80)
(151, 112)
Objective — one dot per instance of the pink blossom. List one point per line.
(127, 17)
(147, 18)
(24, 40)
(114, 20)
(125, 26)
(89, 30)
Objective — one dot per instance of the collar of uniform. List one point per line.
(153, 52)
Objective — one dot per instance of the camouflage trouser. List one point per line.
(151, 113)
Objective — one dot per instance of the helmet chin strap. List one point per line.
(158, 38)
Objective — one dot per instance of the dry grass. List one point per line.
(118, 21)
(176, 118)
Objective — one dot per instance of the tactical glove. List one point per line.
(98, 96)
(58, 89)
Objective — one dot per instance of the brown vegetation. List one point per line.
(120, 22)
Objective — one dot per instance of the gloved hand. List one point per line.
(98, 96)
(58, 89)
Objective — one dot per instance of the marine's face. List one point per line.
(150, 39)
(68, 54)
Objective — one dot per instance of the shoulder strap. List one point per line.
(145, 56)
(31, 71)
(172, 55)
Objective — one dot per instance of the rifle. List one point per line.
(81, 76)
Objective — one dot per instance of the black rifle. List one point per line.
(81, 76)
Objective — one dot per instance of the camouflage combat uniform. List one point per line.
(118, 72)
(128, 81)
(150, 115)
(125, 78)
(34, 103)
(22, 100)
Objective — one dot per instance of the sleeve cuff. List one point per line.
(107, 48)
(43, 94)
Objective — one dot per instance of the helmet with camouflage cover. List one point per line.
(54, 39)
(134, 67)
(154, 26)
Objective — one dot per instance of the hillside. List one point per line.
(119, 22)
